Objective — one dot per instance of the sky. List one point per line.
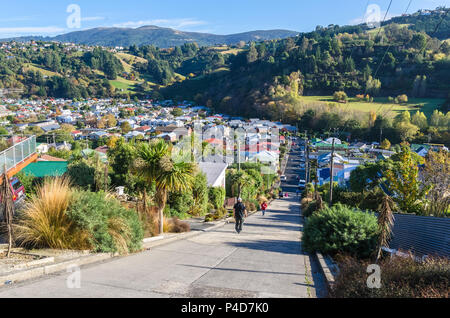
(52, 17)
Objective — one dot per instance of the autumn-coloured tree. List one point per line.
(403, 182)
(101, 124)
(386, 144)
(420, 120)
(111, 143)
(68, 128)
(125, 127)
(111, 121)
(372, 118)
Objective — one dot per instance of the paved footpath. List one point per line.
(265, 260)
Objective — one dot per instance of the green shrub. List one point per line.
(199, 195)
(112, 227)
(180, 204)
(402, 98)
(309, 191)
(215, 215)
(340, 96)
(82, 174)
(311, 207)
(372, 200)
(216, 196)
(352, 199)
(44, 222)
(365, 201)
(29, 182)
(340, 229)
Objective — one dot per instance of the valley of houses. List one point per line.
(147, 119)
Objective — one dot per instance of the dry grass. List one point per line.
(305, 203)
(262, 199)
(150, 220)
(45, 222)
(400, 277)
(167, 225)
(178, 226)
(120, 232)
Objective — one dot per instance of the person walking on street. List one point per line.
(239, 213)
(263, 208)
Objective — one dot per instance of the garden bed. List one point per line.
(401, 277)
(19, 260)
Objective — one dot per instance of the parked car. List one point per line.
(302, 184)
(283, 178)
(18, 191)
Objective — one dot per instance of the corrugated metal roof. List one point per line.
(422, 235)
(46, 169)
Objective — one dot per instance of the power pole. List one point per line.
(308, 164)
(331, 173)
(239, 155)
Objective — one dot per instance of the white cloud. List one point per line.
(364, 18)
(15, 31)
(15, 19)
(170, 23)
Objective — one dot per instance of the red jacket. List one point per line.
(264, 206)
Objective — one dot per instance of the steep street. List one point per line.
(265, 260)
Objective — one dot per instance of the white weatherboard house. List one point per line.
(215, 173)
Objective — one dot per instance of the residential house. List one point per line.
(215, 173)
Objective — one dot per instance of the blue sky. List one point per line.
(49, 17)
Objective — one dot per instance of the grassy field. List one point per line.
(232, 51)
(130, 59)
(127, 67)
(33, 67)
(122, 83)
(376, 30)
(381, 105)
(226, 50)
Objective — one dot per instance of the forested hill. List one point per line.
(246, 79)
(389, 62)
(158, 36)
(427, 21)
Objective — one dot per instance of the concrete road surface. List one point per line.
(265, 260)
